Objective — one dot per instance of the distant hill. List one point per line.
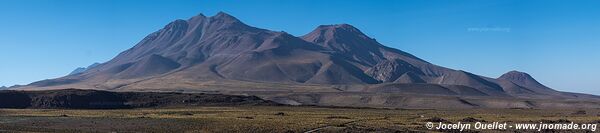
(83, 69)
(221, 54)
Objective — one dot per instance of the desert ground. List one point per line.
(276, 119)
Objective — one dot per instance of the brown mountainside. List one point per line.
(222, 54)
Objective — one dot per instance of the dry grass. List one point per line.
(262, 119)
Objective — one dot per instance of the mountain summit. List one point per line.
(523, 83)
(522, 79)
(340, 37)
(220, 53)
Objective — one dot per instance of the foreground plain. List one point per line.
(271, 119)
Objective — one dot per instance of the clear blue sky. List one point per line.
(558, 42)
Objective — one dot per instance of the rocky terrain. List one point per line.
(94, 99)
(281, 119)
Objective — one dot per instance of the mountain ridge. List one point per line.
(221, 51)
(83, 69)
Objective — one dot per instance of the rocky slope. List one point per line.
(93, 99)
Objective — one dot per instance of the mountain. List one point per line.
(3, 87)
(83, 69)
(221, 54)
(520, 83)
(77, 71)
(522, 79)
